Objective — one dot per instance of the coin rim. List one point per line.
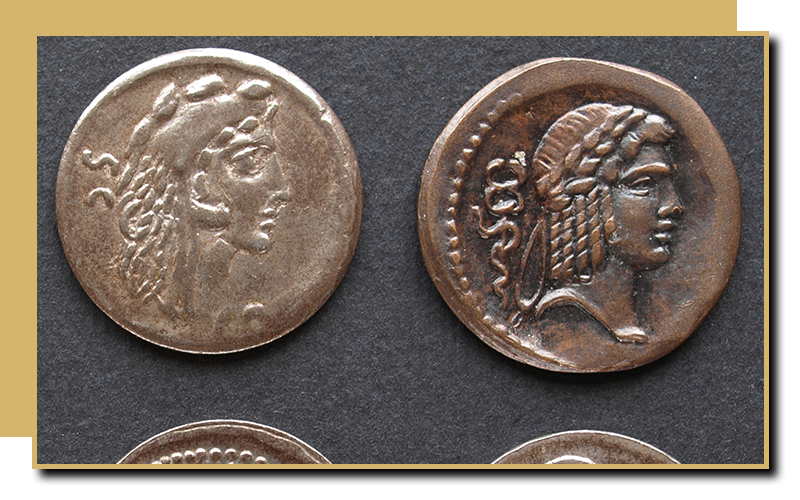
(254, 428)
(243, 61)
(729, 194)
(590, 435)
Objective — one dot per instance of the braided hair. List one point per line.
(163, 148)
(575, 166)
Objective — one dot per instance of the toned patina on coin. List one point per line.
(580, 216)
(585, 447)
(209, 201)
(224, 442)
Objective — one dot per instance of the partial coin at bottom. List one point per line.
(585, 447)
(224, 442)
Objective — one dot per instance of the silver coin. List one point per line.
(209, 201)
(585, 447)
(224, 442)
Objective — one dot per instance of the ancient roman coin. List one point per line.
(585, 447)
(224, 442)
(209, 201)
(580, 216)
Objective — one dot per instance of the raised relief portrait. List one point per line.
(200, 182)
(603, 179)
(580, 216)
(209, 201)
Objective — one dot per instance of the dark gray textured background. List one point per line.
(385, 372)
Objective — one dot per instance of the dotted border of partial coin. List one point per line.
(212, 456)
(461, 165)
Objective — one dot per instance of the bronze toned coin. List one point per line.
(209, 201)
(585, 447)
(224, 442)
(580, 216)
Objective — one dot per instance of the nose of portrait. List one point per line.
(281, 184)
(670, 206)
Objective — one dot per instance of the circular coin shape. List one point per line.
(209, 201)
(585, 447)
(224, 442)
(580, 216)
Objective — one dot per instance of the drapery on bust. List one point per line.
(604, 179)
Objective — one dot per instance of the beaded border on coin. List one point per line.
(257, 445)
(451, 161)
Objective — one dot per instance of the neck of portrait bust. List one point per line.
(607, 296)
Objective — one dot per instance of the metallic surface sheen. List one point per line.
(209, 201)
(580, 216)
(224, 442)
(585, 447)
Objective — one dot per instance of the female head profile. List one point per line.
(201, 182)
(603, 176)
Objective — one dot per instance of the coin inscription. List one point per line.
(221, 201)
(564, 207)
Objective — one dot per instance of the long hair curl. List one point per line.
(574, 168)
(164, 146)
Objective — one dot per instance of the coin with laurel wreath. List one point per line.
(585, 448)
(224, 442)
(580, 216)
(209, 201)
